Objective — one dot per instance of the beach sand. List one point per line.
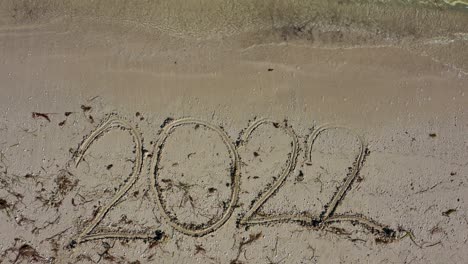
(233, 132)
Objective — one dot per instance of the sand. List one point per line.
(233, 132)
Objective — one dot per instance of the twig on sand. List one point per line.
(36, 115)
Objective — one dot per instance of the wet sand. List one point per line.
(246, 132)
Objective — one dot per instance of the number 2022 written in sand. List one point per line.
(251, 217)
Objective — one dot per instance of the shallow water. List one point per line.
(393, 74)
(214, 18)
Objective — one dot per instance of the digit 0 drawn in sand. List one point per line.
(172, 221)
(111, 123)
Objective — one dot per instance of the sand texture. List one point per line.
(218, 131)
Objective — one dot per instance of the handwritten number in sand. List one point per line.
(200, 231)
(111, 123)
(251, 217)
(328, 217)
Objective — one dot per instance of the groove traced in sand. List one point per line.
(322, 222)
(249, 218)
(349, 178)
(167, 130)
(371, 225)
(117, 235)
(112, 122)
(328, 217)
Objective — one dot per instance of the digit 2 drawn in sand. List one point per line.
(321, 222)
(249, 217)
(111, 123)
(326, 217)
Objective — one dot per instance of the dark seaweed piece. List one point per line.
(43, 115)
(158, 235)
(85, 108)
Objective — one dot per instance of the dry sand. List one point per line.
(233, 132)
